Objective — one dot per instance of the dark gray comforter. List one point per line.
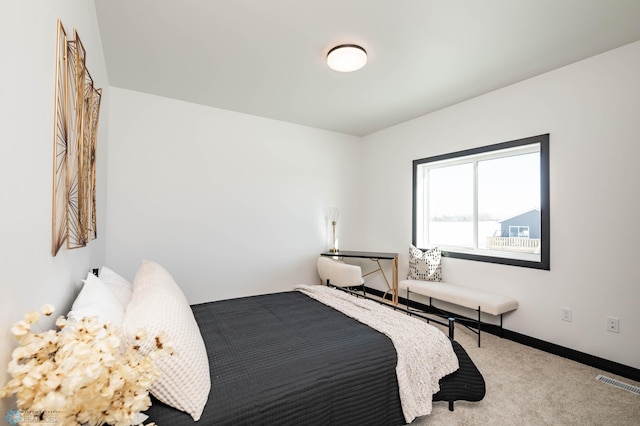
(286, 359)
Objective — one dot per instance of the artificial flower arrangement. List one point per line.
(82, 373)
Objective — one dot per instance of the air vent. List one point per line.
(618, 384)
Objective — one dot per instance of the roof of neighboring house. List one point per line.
(520, 214)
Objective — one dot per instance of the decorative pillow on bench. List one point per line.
(424, 265)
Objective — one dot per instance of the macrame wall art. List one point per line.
(77, 107)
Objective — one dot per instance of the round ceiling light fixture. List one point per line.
(346, 58)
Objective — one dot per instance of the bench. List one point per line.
(472, 298)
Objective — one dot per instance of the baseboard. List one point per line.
(552, 348)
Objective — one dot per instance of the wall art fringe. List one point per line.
(76, 112)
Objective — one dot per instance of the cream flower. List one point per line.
(61, 322)
(47, 309)
(32, 317)
(31, 379)
(53, 382)
(21, 328)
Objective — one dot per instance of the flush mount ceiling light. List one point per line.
(346, 58)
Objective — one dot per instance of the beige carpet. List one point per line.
(526, 386)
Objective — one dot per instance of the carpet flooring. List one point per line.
(526, 386)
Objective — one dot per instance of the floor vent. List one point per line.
(618, 384)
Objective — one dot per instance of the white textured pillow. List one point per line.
(425, 265)
(118, 285)
(158, 305)
(96, 299)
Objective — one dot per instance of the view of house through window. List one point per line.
(488, 203)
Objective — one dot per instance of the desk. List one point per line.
(376, 257)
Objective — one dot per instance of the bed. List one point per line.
(287, 359)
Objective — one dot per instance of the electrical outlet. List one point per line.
(613, 324)
(566, 314)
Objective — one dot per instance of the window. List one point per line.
(518, 231)
(488, 204)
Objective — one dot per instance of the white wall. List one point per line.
(230, 204)
(591, 110)
(29, 275)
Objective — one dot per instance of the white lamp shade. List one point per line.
(346, 58)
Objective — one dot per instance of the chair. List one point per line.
(339, 274)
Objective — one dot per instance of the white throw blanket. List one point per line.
(425, 354)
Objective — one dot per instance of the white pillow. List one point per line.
(425, 265)
(96, 299)
(158, 305)
(118, 285)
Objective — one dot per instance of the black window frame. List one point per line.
(545, 222)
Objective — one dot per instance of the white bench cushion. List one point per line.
(471, 298)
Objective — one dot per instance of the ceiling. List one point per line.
(267, 57)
